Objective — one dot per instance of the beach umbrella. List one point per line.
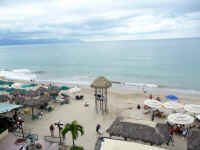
(4, 98)
(192, 108)
(10, 89)
(28, 85)
(6, 82)
(153, 103)
(54, 91)
(64, 88)
(198, 116)
(19, 100)
(180, 118)
(74, 90)
(4, 107)
(18, 92)
(17, 85)
(171, 97)
(42, 90)
(31, 93)
(44, 99)
(173, 105)
(64, 92)
(32, 103)
(2, 89)
(101, 82)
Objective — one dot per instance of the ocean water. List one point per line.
(172, 63)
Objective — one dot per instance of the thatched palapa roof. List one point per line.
(32, 103)
(101, 82)
(18, 92)
(4, 98)
(134, 131)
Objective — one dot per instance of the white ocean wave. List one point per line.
(18, 74)
(141, 85)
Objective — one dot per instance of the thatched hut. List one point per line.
(193, 140)
(19, 100)
(54, 91)
(44, 99)
(101, 85)
(134, 131)
(42, 91)
(32, 103)
(18, 92)
(4, 98)
(31, 93)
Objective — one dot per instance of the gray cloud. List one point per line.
(93, 20)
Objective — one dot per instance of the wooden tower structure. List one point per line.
(101, 85)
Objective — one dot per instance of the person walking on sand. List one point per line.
(153, 116)
(51, 128)
(150, 96)
(171, 136)
(98, 129)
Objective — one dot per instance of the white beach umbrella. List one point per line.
(192, 108)
(198, 116)
(17, 85)
(32, 88)
(173, 105)
(179, 118)
(63, 92)
(153, 103)
(74, 90)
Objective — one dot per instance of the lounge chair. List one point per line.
(79, 97)
(146, 111)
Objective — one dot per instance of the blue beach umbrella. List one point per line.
(171, 97)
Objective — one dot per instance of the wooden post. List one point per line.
(96, 100)
(32, 112)
(106, 100)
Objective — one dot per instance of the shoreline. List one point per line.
(116, 85)
(25, 75)
(120, 89)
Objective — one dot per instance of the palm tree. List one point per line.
(74, 128)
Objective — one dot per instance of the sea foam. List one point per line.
(141, 85)
(18, 74)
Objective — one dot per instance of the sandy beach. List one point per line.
(121, 102)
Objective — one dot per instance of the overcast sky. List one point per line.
(98, 20)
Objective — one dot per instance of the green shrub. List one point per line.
(76, 148)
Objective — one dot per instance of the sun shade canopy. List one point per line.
(153, 103)
(192, 108)
(4, 107)
(101, 82)
(179, 118)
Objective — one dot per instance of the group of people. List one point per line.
(157, 98)
(178, 129)
(59, 124)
